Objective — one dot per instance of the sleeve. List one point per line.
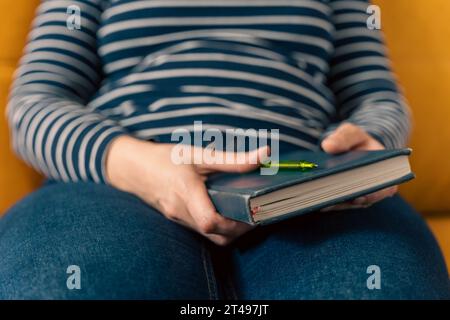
(52, 129)
(360, 76)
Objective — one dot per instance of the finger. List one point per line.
(180, 215)
(235, 161)
(188, 222)
(344, 138)
(375, 197)
(177, 212)
(380, 195)
(206, 218)
(342, 207)
(364, 201)
(370, 145)
(220, 240)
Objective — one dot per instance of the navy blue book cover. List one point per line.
(231, 193)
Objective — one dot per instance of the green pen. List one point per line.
(301, 165)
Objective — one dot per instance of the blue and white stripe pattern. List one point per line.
(145, 68)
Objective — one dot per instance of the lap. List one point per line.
(124, 248)
(326, 255)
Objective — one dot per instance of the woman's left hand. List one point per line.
(349, 137)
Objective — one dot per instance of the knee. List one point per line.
(76, 211)
(338, 249)
(118, 243)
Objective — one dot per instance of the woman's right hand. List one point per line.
(178, 191)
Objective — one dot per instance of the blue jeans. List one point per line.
(127, 250)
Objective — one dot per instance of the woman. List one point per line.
(93, 108)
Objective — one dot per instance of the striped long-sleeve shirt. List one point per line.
(145, 68)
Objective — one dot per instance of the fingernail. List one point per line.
(360, 201)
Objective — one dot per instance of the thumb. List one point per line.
(345, 138)
(236, 161)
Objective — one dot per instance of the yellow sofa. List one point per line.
(417, 33)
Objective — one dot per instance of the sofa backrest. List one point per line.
(16, 179)
(418, 36)
(417, 32)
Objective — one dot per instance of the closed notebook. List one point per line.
(264, 199)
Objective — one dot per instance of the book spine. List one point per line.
(232, 205)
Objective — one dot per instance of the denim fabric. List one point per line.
(127, 250)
